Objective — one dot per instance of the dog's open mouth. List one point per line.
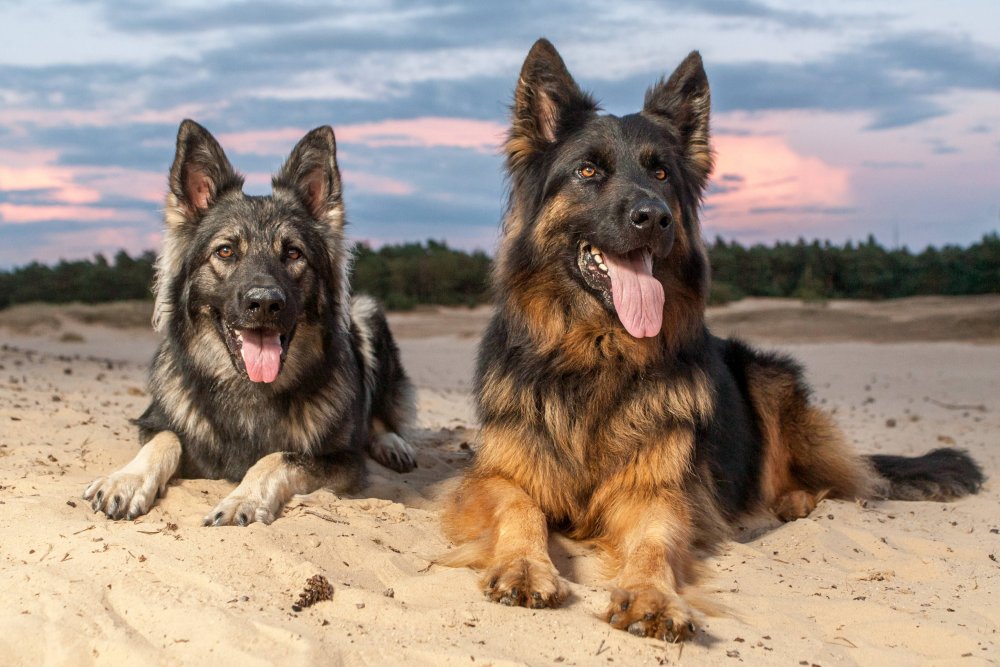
(258, 352)
(625, 282)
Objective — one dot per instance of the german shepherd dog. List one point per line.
(268, 373)
(608, 410)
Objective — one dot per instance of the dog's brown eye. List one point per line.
(660, 174)
(293, 253)
(587, 171)
(225, 252)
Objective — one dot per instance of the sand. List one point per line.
(890, 583)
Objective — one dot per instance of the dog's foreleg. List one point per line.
(650, 537)
(506, 535)
(274, 479)
(645, 522)
(131, 491)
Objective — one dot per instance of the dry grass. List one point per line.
(34, 318)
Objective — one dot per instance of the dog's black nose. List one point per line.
(649, 212)
(263, 301)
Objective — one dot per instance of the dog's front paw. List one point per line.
(240, 510)
(392, 451)
(524, 582)
(649, 612)
(122, 495)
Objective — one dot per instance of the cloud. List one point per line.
(897, 79)
(423, 132)
(803, 210)
(763, 175)
(748, 9)
(892, 164)
(427, 132)
(20, 214)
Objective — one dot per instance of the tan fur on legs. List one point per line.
(796, 504)
(649, 536)
(131, 491)
(806, 456)
(269, 484)
(504, 534)
(265, 489)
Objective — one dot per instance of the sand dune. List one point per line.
(886, 583)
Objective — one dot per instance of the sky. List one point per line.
(832, 119)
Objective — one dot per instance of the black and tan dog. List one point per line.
(269, 374)
(608, 410)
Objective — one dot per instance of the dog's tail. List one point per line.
(941, 474)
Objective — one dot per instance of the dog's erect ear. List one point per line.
(684, 101)
(201, 172)
(311, 172)
(546, 100)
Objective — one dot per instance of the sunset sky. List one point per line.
(831, 119)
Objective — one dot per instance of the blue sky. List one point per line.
(832, 119)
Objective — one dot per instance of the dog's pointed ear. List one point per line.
(546, 100)
(200, 173)
(311, 173)
(684, 101)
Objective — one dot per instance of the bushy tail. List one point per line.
(941, 474)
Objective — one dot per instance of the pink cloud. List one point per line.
(773, 185)
(261, 142)
(376, 184)
(426, 132)
(103, 238)
(19, 214)
(130, 183)
(11, 118)
(33, 170)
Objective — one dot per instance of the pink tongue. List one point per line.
(261, 354)
(638, 296)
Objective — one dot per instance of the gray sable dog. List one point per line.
(269, 374)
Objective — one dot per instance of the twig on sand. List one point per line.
(957, 406)
(325, 517)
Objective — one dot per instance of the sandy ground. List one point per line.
(889, 583)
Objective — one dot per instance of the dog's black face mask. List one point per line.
(251, 272)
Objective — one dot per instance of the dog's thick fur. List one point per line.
(648, 444)
(234, 267)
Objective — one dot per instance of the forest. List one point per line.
(407, 275)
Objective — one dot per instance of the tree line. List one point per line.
(407, 275)
(866, 270)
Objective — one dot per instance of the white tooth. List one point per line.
(603, 267)
(598, 258)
